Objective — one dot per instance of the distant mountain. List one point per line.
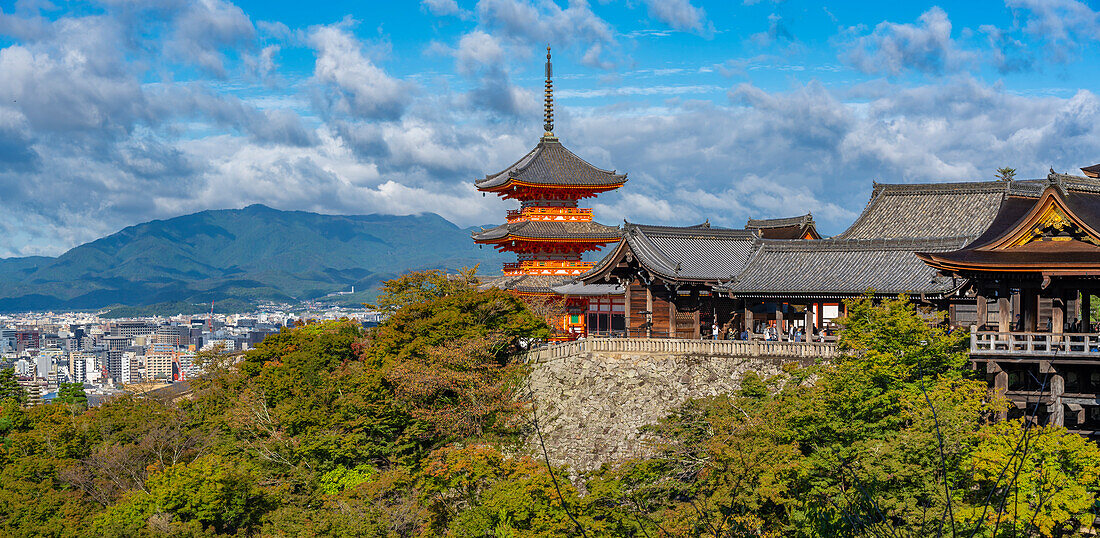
(246, 254)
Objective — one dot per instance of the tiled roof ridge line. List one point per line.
(690, 231)
(838, 243)
(780, 221)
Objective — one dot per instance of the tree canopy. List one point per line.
(418, 428)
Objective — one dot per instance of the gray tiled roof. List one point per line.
(527, 283)
(801, 220)
(542, 229)
(550, 163)
(843, 267)
(581, 289)
(691, 253)
(899, 211)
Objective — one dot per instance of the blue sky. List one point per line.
(116, 112)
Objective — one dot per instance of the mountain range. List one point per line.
(250, 254)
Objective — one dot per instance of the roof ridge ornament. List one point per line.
(548, 114)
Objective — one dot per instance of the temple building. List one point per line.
(549, 233)
(681, 281)
(1032, 273)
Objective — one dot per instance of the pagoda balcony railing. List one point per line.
(730, 348)
(548, 267)
(1045, 344)
(574, 214)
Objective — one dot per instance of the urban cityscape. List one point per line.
(117, 356)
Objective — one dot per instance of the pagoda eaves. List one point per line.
(551, 172)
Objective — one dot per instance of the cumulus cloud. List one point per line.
(538, 23)
(777, 31)
(893, 48)
(205, 29)
(351, 83)
(681, 15)
(1064, 26)
(443, 8)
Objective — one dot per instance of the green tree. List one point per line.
(1051, 487)
(1006, 174)
(10, 389)
(72, 394)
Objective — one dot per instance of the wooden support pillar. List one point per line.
(983, 310)
(779, 320)
(1086, 311)
(672, 329)
(1058, 314)
(1000, 385)
(649, 308)
(749, 322)
(809, 328)
(626, 306)
(1029, 304)
(1057, 384)
(1004, 314)
(696, 320)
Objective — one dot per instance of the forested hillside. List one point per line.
(237, 254)
(419, 428)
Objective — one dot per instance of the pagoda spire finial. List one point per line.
(548, 116)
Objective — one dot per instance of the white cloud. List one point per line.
(894, 48)
(1064, 26)
(540, 23)
(352, 83)
(681, 15)
(444, 8)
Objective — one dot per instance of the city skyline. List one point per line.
(114, 114)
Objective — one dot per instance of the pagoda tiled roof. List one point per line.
(843, 267)
(695, 253)
(550, 164)
(542, 229)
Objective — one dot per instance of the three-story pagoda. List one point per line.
(549, 232)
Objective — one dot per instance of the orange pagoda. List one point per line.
(549, 233)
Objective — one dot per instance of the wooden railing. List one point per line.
(577, 214)
(1034, 343)
(737, 348)
(547, 267)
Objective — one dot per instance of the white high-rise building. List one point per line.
(42, 366)
(78, 367)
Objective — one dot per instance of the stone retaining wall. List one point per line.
(592, 399)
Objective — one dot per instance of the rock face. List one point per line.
(592, 398)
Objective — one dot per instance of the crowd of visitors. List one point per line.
(766, 332)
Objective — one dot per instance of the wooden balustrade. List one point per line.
(1035, 343)
(737, 348)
